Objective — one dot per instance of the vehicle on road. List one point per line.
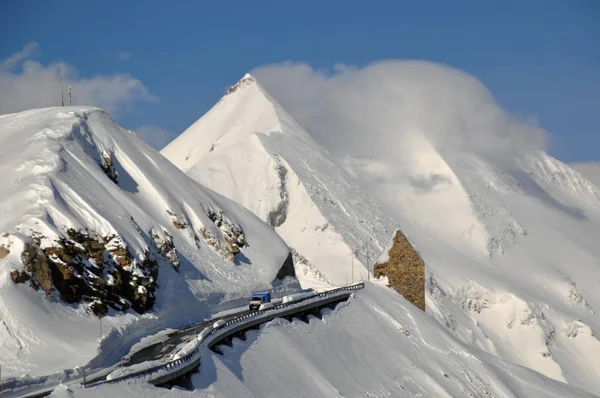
(257, 299)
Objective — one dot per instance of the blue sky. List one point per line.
(537, 57)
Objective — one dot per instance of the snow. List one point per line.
(52, 181)
(509, 235)
(591, 171)
(249, 149)
(375, 345)
(524, 270)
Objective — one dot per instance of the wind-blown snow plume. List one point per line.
(452, 109)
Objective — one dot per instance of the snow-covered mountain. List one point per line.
(249, 149)
(94, 222)
(510, 244)
(591, 171)
(511, 252)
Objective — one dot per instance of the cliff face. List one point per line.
(404, 269)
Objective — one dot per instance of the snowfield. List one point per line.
(74, 168)
(591, 171)
(249, 149)
(508, 233)
(375, 345)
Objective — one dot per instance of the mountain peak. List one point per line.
(245, 81)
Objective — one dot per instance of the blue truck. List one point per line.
(257, 299)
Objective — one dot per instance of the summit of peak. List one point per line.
(245, 81)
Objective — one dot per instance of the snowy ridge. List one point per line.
(249, 149)
(74, 176)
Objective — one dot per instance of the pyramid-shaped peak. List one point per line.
(245, 81)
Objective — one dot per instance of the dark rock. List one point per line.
(36, 264)
(179, 225)
(287, 268)
(99, 308)
(76, 268)
(107, 166)
(4, 251)
(19, 276)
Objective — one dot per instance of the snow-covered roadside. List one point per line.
(377, 345)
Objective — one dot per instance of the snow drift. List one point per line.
(95, 222)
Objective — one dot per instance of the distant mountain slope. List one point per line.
(591, 171)
(511, 252)
(249, 149)
(93, 222)
(376, 345)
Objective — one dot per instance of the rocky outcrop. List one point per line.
(37, 267)
(404, 269)
(88, 268)
(108, 167)
(230, 239)
(278, 215)
(4, 252)
(19, 276)
(167, 248)
(4, 245)
(177, 221)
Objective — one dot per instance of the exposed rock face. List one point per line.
(4, 251)
(167, 248)
(108, 167)
(277, 216)
(36, 265)
(230, 240)
(91, 268)
(19, 276)
(405, 270)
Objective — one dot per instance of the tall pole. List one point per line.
(69, 95)
(62, 97)
(352, 257)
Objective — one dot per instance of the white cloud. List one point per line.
(156, 137)
(26, 84)
(371, 111)
(12, 61)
